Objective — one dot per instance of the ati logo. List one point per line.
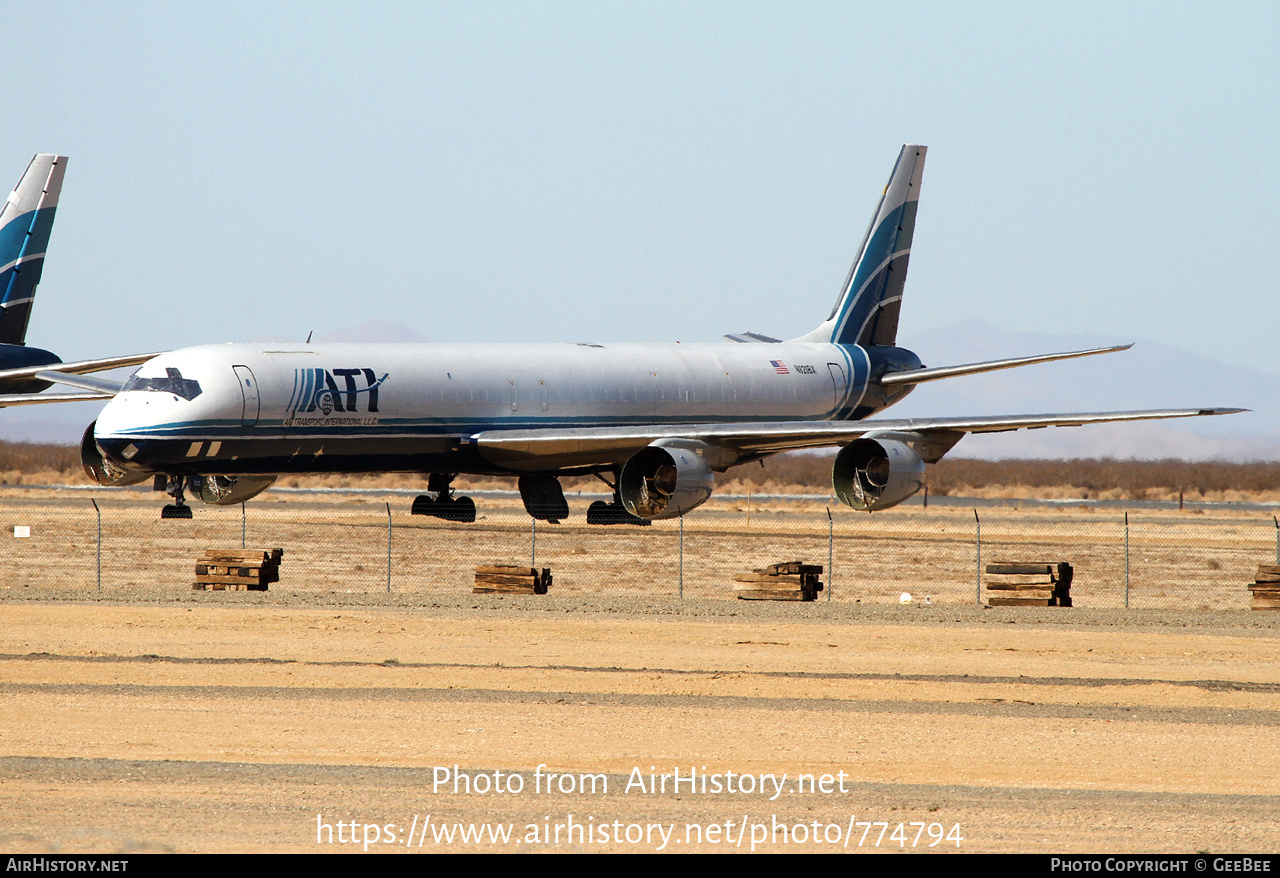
(334, 391)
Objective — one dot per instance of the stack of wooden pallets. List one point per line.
(1266, 588)
(785, 581)
(1028, 584)
(237, 569)
(511, 579)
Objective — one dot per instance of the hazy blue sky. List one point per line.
(647, 171)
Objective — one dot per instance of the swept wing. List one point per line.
(534, 449)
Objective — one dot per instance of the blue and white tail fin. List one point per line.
(867, 311)
(25, 222)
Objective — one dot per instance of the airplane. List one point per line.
(655, 422)
(25, 223)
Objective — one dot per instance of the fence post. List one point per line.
(1126, 560)
(533, 542)
(1277, 521)
(99, 512)
(977, 544)
(831, 532)
(682, 557)
(242, 524)
(388, 547)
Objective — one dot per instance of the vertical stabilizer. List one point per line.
(25, 223)
(867, 311)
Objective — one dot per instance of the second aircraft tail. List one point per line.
(25, 222)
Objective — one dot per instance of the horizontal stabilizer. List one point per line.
(919, 376)
(84, 382)
(8, 399)
(748, 337)
(80, 367)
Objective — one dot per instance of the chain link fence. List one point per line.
(368, 541)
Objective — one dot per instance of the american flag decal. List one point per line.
(780, 367)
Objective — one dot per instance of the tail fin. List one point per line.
(867, 311)
(25, 222)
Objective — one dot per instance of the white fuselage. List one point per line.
(368, 407)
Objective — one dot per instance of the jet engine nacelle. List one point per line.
(664, 481)
(876, 473)
(101, 468)
(230, 490)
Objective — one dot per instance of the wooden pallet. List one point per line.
(237, 569)
(1028, 583)
(1265, 590)
(785, 581)
(511, 579)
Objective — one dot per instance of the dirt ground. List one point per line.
(330, 714)
(340, 544)
(233, 725)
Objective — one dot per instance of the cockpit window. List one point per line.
(186, 388)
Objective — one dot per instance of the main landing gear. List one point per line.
(544, 498)
(444, 504)
(174, 487)
(612, 512)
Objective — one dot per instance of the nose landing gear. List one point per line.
(544, 498)
(174, 486)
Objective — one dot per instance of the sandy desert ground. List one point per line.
(149, 717)
(337, 544)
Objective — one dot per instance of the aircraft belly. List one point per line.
(566, 455)
(244, 456)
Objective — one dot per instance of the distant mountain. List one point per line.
(1149, 376)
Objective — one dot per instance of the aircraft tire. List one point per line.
(461, 509)
(601, 512)
(173, 511)
(423, 504)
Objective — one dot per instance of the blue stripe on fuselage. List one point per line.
(274, 430)
(857, 367)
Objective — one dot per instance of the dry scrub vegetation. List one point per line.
(31, 463)
(28, 463)
(1106, 479)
